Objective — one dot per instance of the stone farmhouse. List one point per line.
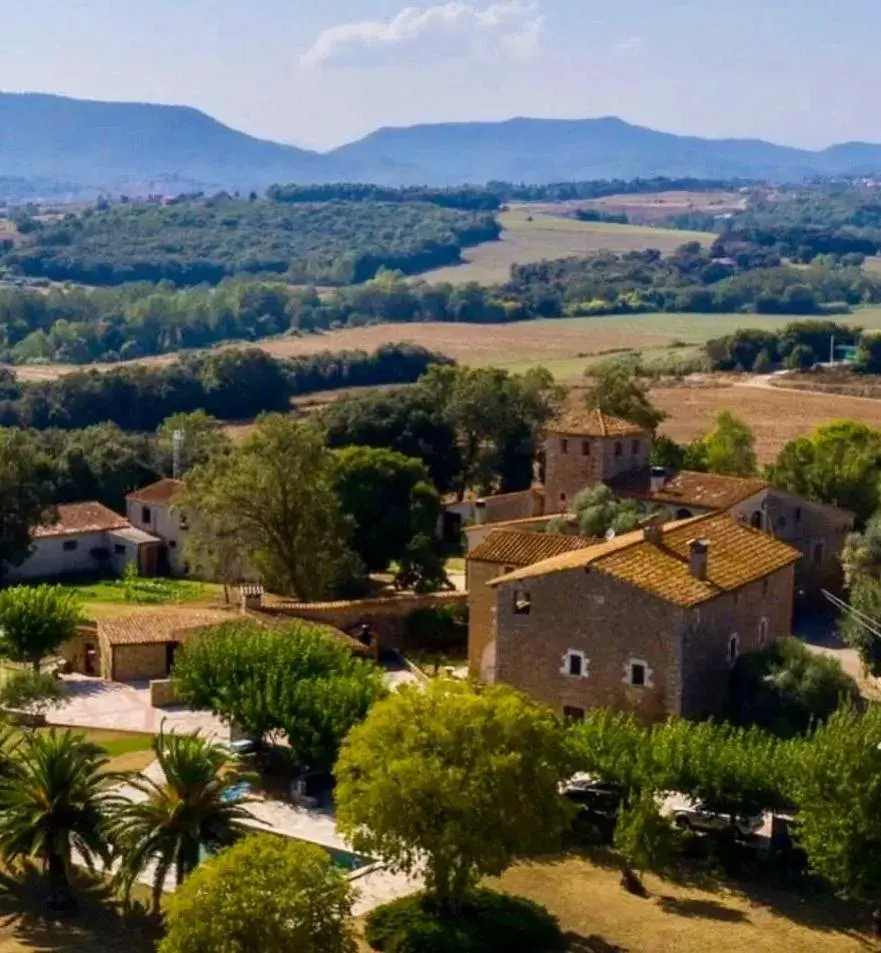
(587, 448)
(650, 621)
(88, 538)
(151, 509)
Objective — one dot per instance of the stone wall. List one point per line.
(162, 694)
(609, 621)
(706, 662)
(129, 663)
(575, 463)
(387, 616)
(513, 506)
(481, 614)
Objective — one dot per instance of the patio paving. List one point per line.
(125, 706)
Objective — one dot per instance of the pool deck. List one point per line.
(374, 885)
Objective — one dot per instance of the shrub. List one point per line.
(490, 923)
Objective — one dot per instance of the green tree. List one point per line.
(834, 783)
(25, 496)
(728, 448)
(201, 439)
(598, 511)
(391, 501)
(617, 389)
(460, 780)
(498, 418)
(786, 688)
(840, 463)
(862, 552)
(862, 620)
(296, 680)
(266, 893)
(275, 492)
(644, 839)
(32, 692)
(35, 621)
(53, 804)
(667, 453)
(175, 820)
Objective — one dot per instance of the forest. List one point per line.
(205, 240)
(233, 384)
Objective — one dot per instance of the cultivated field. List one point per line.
(563, 345)
(533, 234)
(775, 415)
(653, 205)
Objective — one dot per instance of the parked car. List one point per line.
(593, 796)
(698, 817)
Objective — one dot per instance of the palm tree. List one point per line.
(172, 823)
(53, 802)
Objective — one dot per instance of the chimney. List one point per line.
(479, 512)
(653, 530)
(698, 553)
(658, 479)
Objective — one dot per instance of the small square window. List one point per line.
(585, 448)
(146, 515)
(172, 544)
(562, 497)
(573, 714)
(635, 447)
(522, 602)
(575, 664)
(119, 549)
(69, 545)
(564, 446)
(637, 674)
(619, 449)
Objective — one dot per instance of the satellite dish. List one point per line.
(610, 535)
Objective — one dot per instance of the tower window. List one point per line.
(619, 449)
(564, 445)
(585, 448)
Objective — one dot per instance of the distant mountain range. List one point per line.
(51, 145)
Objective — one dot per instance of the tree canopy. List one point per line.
(428, 779)
(729, 448)
(35, 621)
(617, 390)
(296, 681)
(274, 492)
(839, 463)
(267, 893)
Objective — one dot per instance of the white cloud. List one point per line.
(631, 44)
(452, 29)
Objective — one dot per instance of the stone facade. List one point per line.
(574, 462)
(682, 654)
(481, 617)
(130, 663)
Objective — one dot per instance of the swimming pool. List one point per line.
(344, 859)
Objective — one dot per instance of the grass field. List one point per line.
(530, 234)
(563, 345)
(598, 916)
(775, 415)
(98, 598)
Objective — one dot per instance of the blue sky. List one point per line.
(804, 72)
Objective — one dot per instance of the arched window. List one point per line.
(763, 632)
(733, 648)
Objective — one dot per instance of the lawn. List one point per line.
(110, 596)
(531, 234)
(598, 916)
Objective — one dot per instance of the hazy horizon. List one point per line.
(324, 72)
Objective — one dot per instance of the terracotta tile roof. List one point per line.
(156, 493)
(513, 548)
(711, 491)
(164, 625)
(594, 423)
(75, 518)
(738, 555)
(524, 524)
